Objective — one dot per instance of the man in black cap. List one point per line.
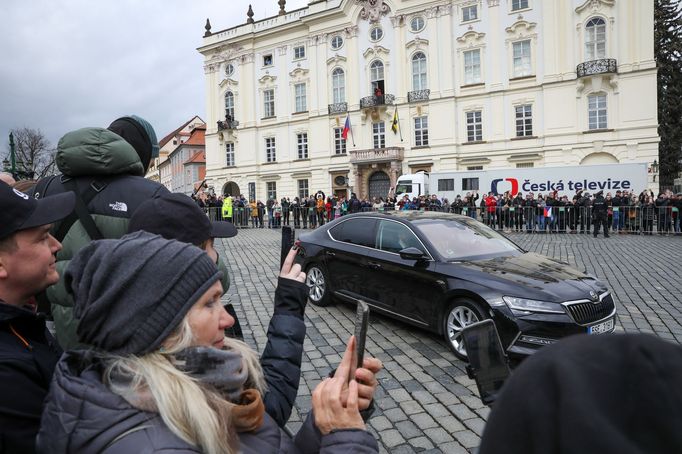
(600, 214)
(28, 353)
(105, 168)
(177, 217)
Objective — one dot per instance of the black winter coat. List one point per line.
(28, 355)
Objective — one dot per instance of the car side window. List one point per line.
(358, 231)
(394, 237)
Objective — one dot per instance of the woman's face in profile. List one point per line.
(208, 319)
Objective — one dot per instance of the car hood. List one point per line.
(532, 276)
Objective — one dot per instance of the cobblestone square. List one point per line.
(425, 402)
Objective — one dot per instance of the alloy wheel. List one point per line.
(459, 318)
(316, 283)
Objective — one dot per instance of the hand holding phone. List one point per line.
(361, 325)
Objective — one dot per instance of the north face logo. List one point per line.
(118, 206)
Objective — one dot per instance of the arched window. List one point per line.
(229, 105)
(338, 85)
(595, 39)
(419, 71)
(376, 70)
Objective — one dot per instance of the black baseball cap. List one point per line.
(19, 211)
(178, 217)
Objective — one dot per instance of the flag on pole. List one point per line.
(346, 128)
(394, 126)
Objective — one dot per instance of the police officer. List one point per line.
(599, 214)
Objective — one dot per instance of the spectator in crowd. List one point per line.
(270, 203)
(286, 208)
(296, 209)
(227, 208)
(253, 206)
(105, 168)
(648, 215)
(28, 353)
(167, 378)
(608, 394)
(261, 212)
(175, 217)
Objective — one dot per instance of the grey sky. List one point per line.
(68, 64)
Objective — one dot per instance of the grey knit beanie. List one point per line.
(133, 292)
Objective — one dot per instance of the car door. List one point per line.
(346, 260)
(410, 289)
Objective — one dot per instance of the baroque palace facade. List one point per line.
(425, 85)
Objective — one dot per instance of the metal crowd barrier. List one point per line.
(554, 219)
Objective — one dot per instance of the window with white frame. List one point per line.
(268, 103)
(339, 142)
(229, 154)
(417, 24)
(338, 85)
(419, 71)
(474, 126)
(595, 39)
(521, 58)
(229, 105)
(267, 60)
(270, 155)
(524, 120)
(337, 42)
(472, 66)
(597, 112)
(303, 189)
(376, 34)
(379, 134)
(376, 71)
(519, 4)
(421, 131)
(299, 52)
(301, 104)
(469, 13)
(302, 145)
(271, 187)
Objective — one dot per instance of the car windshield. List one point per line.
(465, 239)
(403, 188)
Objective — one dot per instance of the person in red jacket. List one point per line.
(491, 206)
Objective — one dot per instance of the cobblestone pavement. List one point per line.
(426, 402)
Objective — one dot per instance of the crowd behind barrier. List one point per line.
(632, 214)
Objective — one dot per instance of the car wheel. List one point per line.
(317, 282)
(462, 313)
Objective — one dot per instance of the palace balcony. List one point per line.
(418, 95)
(600, 66)
(376, 101)
(228, 124)
(336, 108)
(372, 155)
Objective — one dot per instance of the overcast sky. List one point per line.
(68, 64)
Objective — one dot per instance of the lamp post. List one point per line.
(10, 165)
(12, 156)
(654, 169)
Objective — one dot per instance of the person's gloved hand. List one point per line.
(291, 294)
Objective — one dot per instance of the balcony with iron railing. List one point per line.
(338, 107)
(228, 124)
(418, 95)
(376, 101)
(373, 155)
(599, 66)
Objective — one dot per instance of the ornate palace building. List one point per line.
(425, 85)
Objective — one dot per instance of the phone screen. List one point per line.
(288, 236)
(361, 324)
(487, 359)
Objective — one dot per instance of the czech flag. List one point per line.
(548, 212)
(346, 128)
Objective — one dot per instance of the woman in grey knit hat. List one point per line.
(162, 377)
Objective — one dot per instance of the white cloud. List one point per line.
(74, 63)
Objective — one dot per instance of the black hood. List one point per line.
(535, 276)
(9, 312)
(81, 414)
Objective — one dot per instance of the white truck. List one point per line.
(565, 180)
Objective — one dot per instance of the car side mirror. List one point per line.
(412, 253)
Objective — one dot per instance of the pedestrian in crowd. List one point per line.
(648, 215)
(296, 209)
(261, 212)
(271, 218)
(338, 208)
(600, 214)
(175, 217)
(312, 214)
(328, 209)
(253, 206)
(608, 394)
(616, 203)
(677, 213)
(227, 208)
(286, 208)
(162, 376)
(105, 168)
(28, 353)
(320, 210)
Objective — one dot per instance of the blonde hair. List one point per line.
(193, 411)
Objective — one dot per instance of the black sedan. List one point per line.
(442, 272)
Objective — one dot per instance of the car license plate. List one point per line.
(601, 328)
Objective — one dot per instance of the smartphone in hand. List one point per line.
(488, 363)
(288, 238)
(361, 325)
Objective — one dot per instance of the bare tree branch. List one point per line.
(33, 153)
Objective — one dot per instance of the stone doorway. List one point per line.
(231, 188)
(379, 185)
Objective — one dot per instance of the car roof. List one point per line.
(409, 215)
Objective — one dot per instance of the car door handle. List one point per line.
(329, 253)
(374, 265)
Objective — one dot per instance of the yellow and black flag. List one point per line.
(394, 125)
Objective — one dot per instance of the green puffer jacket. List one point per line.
(94, 155)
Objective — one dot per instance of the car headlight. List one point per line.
(526, 306)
